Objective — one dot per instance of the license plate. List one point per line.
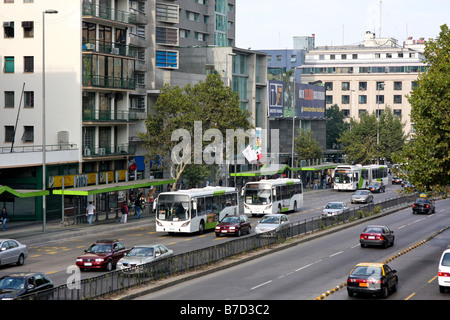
(224, 231)
(87, 264)
(363, 284)
(371, 237)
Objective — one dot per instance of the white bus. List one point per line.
(194, 210)
(348, 177)
(272, 196)
(375, 173)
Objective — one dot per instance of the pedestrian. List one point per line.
(90, 210)
(4, 217)
(138, 207)
(124, 210)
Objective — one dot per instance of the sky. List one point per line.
(272, 24)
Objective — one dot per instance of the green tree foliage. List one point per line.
(209, 101)
(360, 143)
(335, 125)
(425, 159)
(307, 146)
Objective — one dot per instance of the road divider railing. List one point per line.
(119, 280)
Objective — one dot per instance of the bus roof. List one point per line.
(281, 181)
(201, 191)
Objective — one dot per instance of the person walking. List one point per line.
(4, 217)
(90, 210)
(124, 209)
(138, 207)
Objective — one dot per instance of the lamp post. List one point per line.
(44, 184)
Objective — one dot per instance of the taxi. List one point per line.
(373, 279)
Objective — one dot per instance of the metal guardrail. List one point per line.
(118, 280)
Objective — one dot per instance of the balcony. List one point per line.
(104, 82)
(94, 12)
(104, 47)
(108, 151)
(109, 115)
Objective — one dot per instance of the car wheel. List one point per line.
(249, 229)
(384, 293)
(217, 234)
(21, 260)
(201, 227)
(350, 293)
(109, 266)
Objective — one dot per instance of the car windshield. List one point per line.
(373, 230)
(100, 248)
(361, 193)
(375, 184)
(141, 252)
(366, 271)
(270, 220)
(422, 201)
(12, 283)
(231, 219)
(446, 260)
(334, 205)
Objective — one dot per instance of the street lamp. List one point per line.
(44, 210)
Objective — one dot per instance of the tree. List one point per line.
(335, 125)
(306, 145)
(425, 159)
(175, 113)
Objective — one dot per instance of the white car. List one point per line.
(142, 254)
(333, 209)
(12, 251)
(444, 271)
(271, 222)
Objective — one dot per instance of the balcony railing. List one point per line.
(109, 82)
(101, 115)
(103, 12)
(97, 151)
(119, 49)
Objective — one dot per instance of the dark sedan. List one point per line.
(377, 236)
(372, 278)
(235, 225)
(396, 180)
(20, 284)
(104, 254)
(423, 205)
(377, 187)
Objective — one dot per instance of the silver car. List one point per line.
(362, 196)
(271, 222)
(12, 251)
(142, 254)
(333, 209)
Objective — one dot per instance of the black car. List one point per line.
(19, 284)
(372, 278)
(396, 180)
(377, 187)
(423, 205)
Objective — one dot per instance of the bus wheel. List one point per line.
(201, 227)
(279, 209)
(295, 206)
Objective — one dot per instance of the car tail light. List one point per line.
(428, 206)
(444, 274)
(414, 205)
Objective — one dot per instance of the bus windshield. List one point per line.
(342, 177)
(173, 207)
(257, 195)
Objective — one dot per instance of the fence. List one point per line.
(117, 280)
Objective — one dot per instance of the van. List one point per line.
(444, 271)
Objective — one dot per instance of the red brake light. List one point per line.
(444, 274)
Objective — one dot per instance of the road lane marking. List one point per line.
(432, 279)
(262, 284)
(335, 254)
(410, 296)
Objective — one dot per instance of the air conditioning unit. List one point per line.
(63, 136)
(87, 152)
(6, 24)
(101, 151)
(27, 24)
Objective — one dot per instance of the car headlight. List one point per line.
(99, 260)
(79, 260)
(232, 228)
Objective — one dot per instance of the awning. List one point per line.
(110, 187)
(278, 169)
(9, 194)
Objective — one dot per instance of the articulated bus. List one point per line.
(272, 196)
(194, 210)
(353, 177)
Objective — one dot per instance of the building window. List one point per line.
(167, 13)
(28, 63)
(278, 58)
(362, 99)
(354, 56)
(193, 16)
(397, 99)
(28, 134)
(379, 112)
(361, 112)
(345, 99)
(345, 86)
(346, 113)
(329, 86)
(167, 59)
(397, 85)
(28, 99)
(380, 85)
(9, 65)
(8, 27)
(363, 86)
(167, 36)
(332, 57)
(379, 99)
(28, 29)
(9, 133)
(9, 99)
(343, 57)
(329, 99)
(398, 112)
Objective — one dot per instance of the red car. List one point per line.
(103, 254)
(235, 225)
(377, 236)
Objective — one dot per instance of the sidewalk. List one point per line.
(32, 233)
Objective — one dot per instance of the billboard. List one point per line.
(309, 102)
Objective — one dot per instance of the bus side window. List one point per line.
(193, 211)
(209, 204)
(234, 199)
(201, 206)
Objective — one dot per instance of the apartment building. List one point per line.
(369, 77)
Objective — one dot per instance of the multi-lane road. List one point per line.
(302, 272)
